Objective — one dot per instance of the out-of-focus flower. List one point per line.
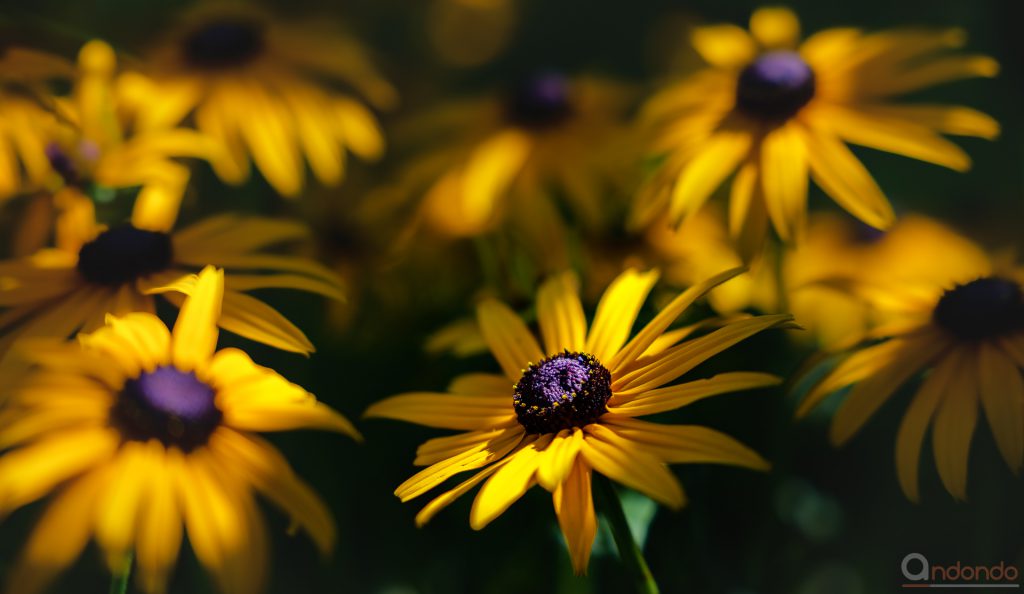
(470, 32)
(561, 412)
(94, 271)
(505, 159)
(99, 142)
(250, 82)
(966, 336)
(775, 113)
(27, 117)
(816, 273)
(137, 431)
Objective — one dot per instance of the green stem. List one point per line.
(631, 555)
(119, 581)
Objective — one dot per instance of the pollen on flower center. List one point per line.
(775, 86)
(224, 43)
(983, 308)
(167, 404)
(563, 391)
(540, 101)
(124, 253)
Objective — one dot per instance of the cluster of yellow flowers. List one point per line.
(135, 431)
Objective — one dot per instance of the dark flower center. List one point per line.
(166, 404)
(775, 86)
(983, 308)
(225, 43)
(541, 101)
(563, 391)
(124, 253)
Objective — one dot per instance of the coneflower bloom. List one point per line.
(774, 112)
(560, 412)
(136, 432)
(966, 337)
(510, 160)
(93, 271)
(242, 77)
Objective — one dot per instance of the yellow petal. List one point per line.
(508, 337)
(1002, 396)
(617, 312)
(195, 333)
(673, 397)
(445, 411)
(630, 464)
(560, 314)
(954, 427)
(574, 505)
(784, 181)
(725, 46)
(775, 28)
(507, 485)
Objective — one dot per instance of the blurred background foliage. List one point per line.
(825, 521)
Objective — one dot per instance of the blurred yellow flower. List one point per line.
(966, 336)
(250, 82)
(99, 142)
(816, 273)
(27, 118)
(561, 412)
(774, 112)
(504, 160)
(137, 431)
(94, 271)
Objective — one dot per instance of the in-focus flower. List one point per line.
(507, 160)
(966, 337)
(251, 82)
(773, 112)
(27, 118)
(561, 412)
(93, 271)
(137, 431)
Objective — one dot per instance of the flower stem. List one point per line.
(119, 581)
(631, 555)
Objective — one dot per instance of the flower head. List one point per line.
(561, 412)
(137, 431)
(773, 113)
(965, 334)
(250, 82)
(94, 270)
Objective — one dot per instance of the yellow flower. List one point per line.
(774, 112)
(27, 120)
(137, 431)
(966, 336)
(250, 82)
(504, 158)
(100, 143)
(559, 413)
(94, 271)
(836, 251)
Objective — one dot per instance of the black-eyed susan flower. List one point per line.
(559, 412)
(966, 337)
(137, 431)
(100, 143)
(508, 159)
(27, 118)
(251, 82)
(774, 112)
(95, 270)
(814, 274)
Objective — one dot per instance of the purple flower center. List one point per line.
(541, 101)
(563, 391)
(983, 308)
(124, 253)
(225, 43)
(167, 404)
(775, 86)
